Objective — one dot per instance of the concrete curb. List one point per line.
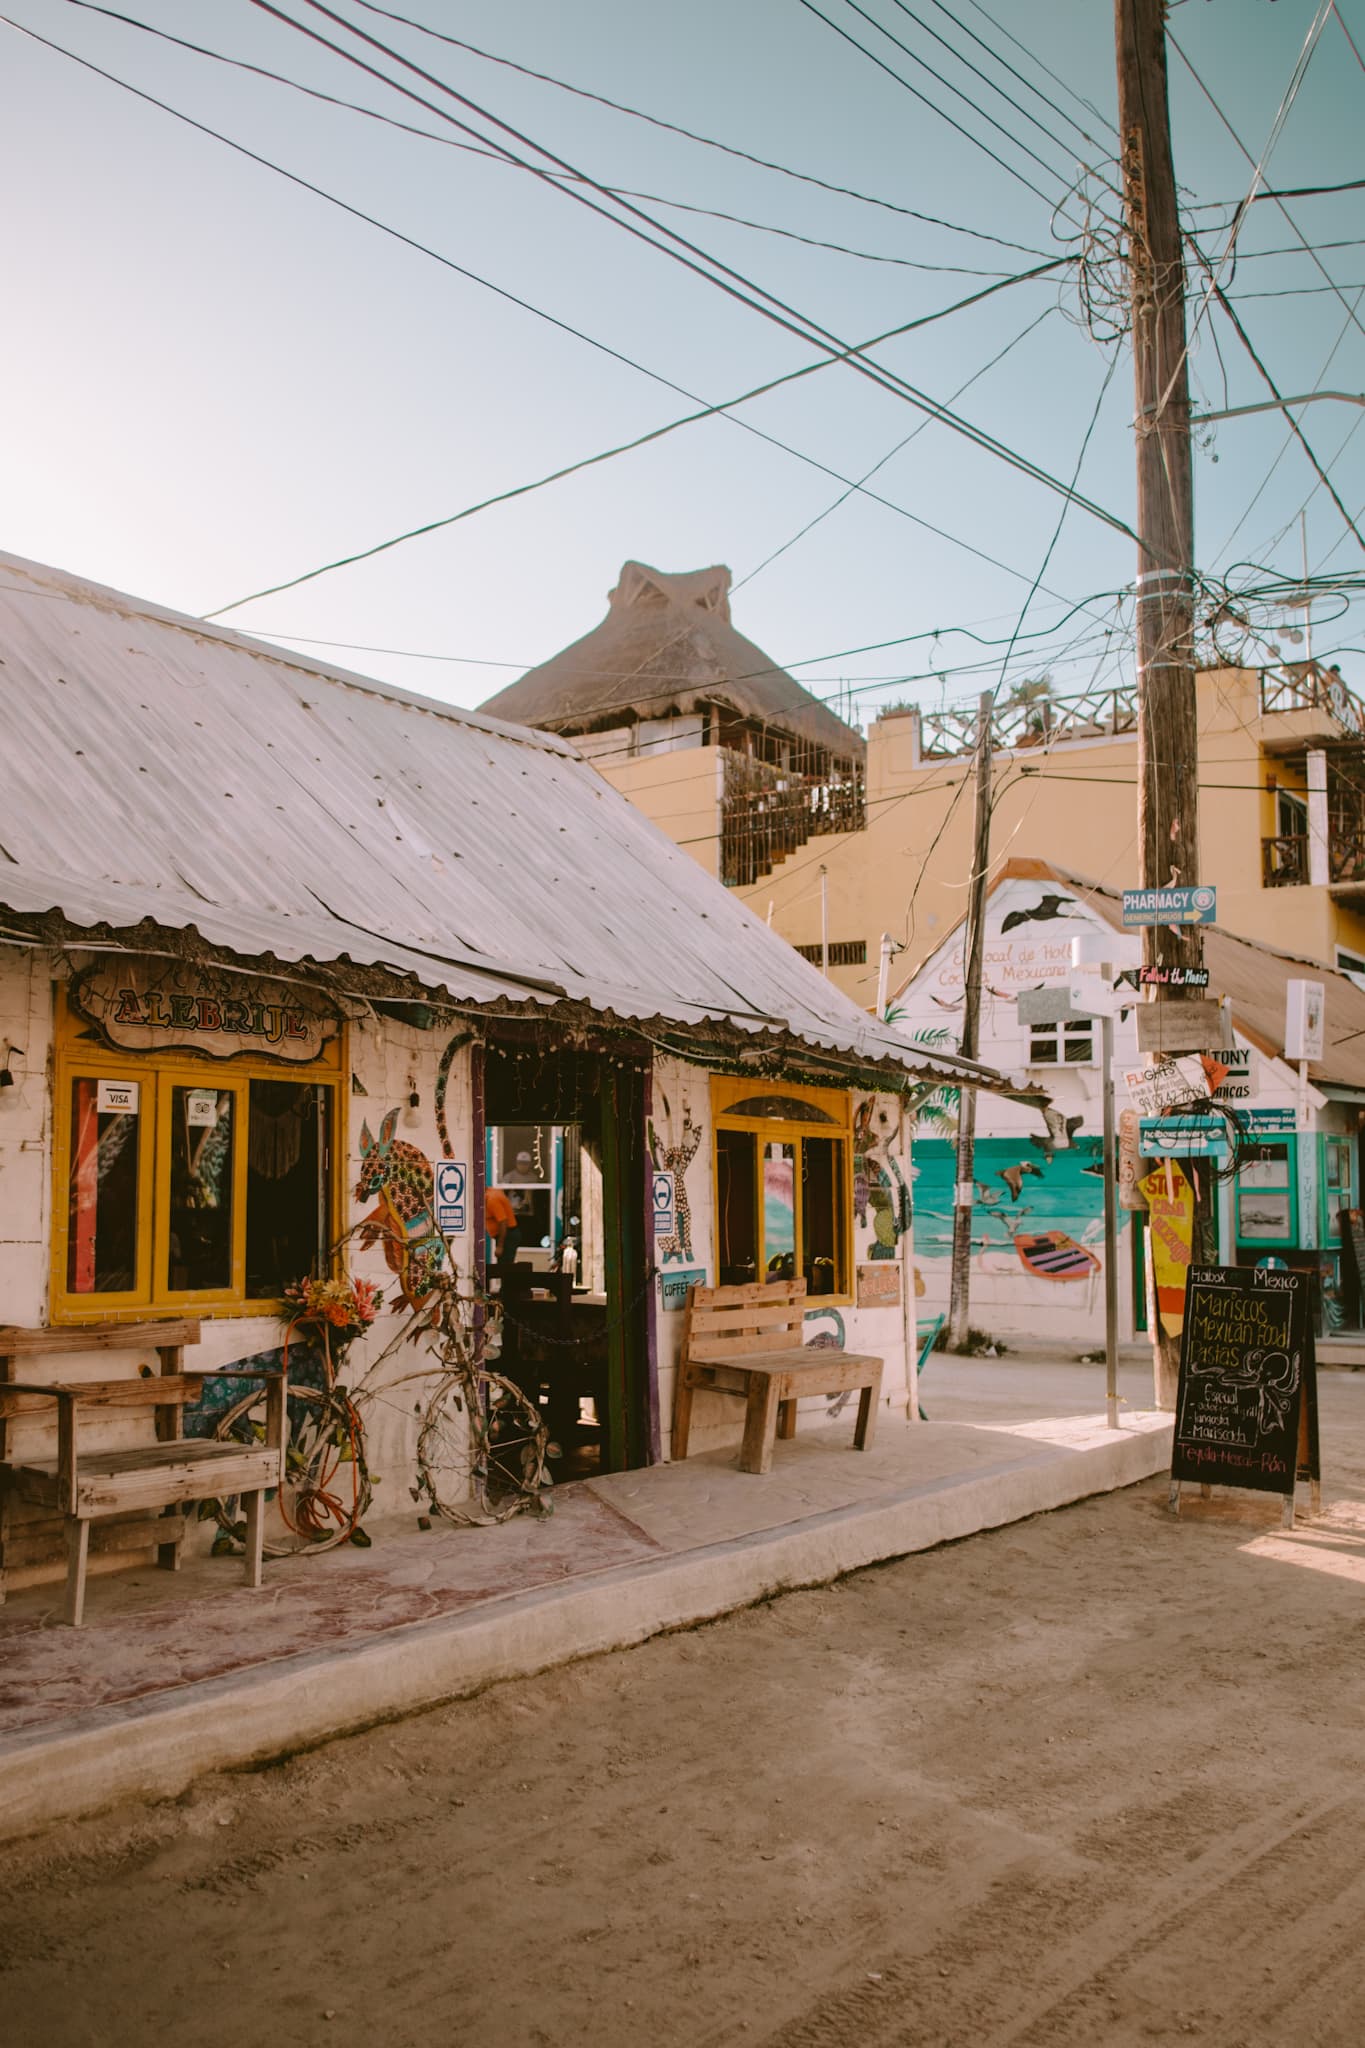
(155, 1748)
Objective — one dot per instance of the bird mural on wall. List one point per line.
(1060, 1131)
(1043, 911)
(1013, 1176)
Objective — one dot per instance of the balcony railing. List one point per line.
(768, 813)
(1284, 860)
(1040, 722)
(1305, 686)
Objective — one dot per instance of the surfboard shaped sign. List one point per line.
(1246, 1357)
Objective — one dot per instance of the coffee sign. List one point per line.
(147, 1006)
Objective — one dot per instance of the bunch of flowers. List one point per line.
(335, 1310)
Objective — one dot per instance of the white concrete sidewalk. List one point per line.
(177, 1675)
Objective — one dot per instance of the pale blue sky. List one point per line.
(217, 380)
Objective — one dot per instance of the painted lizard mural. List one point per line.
(404, 1218)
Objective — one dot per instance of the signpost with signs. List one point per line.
(1173, 977)
(1184, 1137)
(1265, 1123)
(1163, 1084)
(1169, 906)
(1246, 1405)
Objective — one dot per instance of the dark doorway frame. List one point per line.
(607, 1089)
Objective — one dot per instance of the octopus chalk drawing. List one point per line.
(404, 1217)
(676, 1159)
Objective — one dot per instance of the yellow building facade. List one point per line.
(1281, 774)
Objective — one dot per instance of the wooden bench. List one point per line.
(747, 1341)
(83, 1484)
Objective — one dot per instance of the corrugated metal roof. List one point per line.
(158, 768)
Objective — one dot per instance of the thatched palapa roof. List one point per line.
(666, 646)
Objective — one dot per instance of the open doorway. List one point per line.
(567, 1257)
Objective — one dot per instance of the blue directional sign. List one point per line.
(1183, 1137)
(1265, 1123)
(1169, 906)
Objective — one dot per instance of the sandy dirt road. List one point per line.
(1096, 1778)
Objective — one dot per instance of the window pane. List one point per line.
(1079, 1042)
(737, 1215)
(287, 1214)
(101, 1252)
(821, 1214)
(779, 1211)
(201, 1189)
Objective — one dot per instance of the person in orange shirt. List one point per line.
(500, 1221)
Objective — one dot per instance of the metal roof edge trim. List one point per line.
(848, 1056)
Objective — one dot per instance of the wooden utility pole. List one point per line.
(1168, 746)
(973, 953)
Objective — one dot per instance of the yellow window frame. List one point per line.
(729, 1094)
(79, 1056)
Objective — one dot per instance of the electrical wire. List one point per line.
(1294, 426)
(1214, 274)
(1341, 24)
(690, 135)
(1287, 443)
(976, 72)
(1019, 627)
(932, 105)
(891, 453)
(493, 156)
(723, 276)
(723, 408)
(1278, 197)
(1015, 73)
(966, 631)
(1047, 71)
(500, 291)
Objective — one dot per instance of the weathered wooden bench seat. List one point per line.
(85, 1483)
(747, 1341)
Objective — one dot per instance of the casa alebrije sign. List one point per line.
(151, 1005)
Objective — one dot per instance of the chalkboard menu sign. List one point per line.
(1245, 1353)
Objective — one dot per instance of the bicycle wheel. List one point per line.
(326, 1491)
(481, 1450)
